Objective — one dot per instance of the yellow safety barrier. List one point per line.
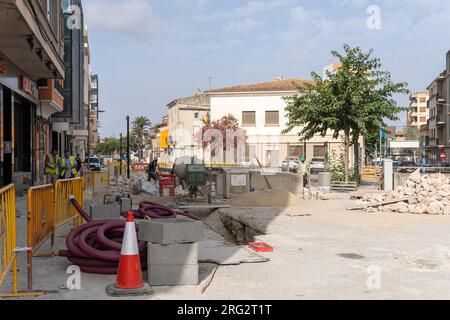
(41, 222)
(65, 212)
(97, 180)
(8, 242)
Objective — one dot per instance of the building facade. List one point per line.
(94, 113)
(187, 116)
(31, 77)
(438, 138)
(67, 124)
(260, 110)
(418, 113)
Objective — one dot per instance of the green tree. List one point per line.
(353, 102)
(140, 129)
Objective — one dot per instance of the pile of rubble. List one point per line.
(428, 194)
(132, 185)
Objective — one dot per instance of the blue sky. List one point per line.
(150, 52)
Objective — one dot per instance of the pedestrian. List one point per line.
(153, 170)
(67, 166)
(51, 166)
(79, 165)
(302, 171)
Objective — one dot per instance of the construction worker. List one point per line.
(51, 166)
(153, 170)
(67, 166)
(302, 170)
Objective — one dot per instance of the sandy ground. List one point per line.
(321, 251)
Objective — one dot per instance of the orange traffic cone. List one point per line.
(129, 274)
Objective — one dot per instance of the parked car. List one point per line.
(317, 164)
(408, 166)
(290, 165)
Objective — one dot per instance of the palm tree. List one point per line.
(140, 129)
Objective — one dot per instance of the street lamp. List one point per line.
(128, 147)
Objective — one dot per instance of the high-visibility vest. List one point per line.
(64, 166)
(51, 167)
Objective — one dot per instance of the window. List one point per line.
(196, 115)
(296, 151)
(248, 118)
(423, 99)
(423, 119)
(423, 109)
(319, 151)
(272, 118)
(49, 10)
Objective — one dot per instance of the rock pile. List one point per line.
(428, 194)
(124, 185)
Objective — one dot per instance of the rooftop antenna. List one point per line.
(209, 79)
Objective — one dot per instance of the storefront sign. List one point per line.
(2, 66)
(28, 86)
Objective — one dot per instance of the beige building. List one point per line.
(260, 110)
(187, 116)
(437, 141)
(418, 113)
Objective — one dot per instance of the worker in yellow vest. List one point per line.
(51, 166)
(67, 166)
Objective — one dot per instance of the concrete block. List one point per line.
(104, 211)
(173, 275)
(125, 205)
(170, 254)
(171, 231)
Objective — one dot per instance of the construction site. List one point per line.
(207, 233)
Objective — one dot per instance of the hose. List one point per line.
(96, 245)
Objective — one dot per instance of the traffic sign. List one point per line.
(443, 155)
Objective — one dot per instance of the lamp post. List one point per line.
(128, 147)
(121, 154)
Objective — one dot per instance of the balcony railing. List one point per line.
(441, 119)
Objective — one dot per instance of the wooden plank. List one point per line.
(384, 203)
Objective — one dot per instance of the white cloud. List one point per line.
(130, 17)
(252, 8)
(241, 25)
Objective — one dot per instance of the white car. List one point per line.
(94, 164)
(317, 164)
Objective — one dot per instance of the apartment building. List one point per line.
(67, 123)
(260, 110)
(438, 138)
(187, 116)
(418, 113)
(31, 77)
(94, 112)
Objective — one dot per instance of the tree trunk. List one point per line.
(347, 155)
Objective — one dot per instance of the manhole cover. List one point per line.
(351, 256)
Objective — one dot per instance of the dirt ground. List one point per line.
(321, 251)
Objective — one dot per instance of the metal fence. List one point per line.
(64, 211)
(8, 242)
(41, 222)
(97, 180)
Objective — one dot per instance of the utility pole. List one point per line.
(121, 154)
(128, 148)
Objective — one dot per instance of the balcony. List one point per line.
(441, 120)
(29, 40)
(51, 95)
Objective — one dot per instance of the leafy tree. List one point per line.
(140, 129)
(354, 101)
(412, 133)
(228, 122)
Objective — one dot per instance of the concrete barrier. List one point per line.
(282, 180)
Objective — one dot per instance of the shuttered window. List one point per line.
(248, 118)
(272, 118)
